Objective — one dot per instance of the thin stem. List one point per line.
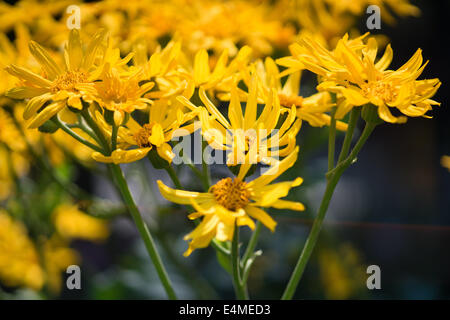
(311, 241)
(333, 179)
(143, 230)
(67, 130)
(93, 125)
(354, 116)
(352, 157)
(205, 169)
(239, 288)
(173, 176)
(332, 139)
(251, 244)
(115, 130)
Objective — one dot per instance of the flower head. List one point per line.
(234, 202)
(248, 137)
(58, 87)
(353, 71)
(165, 121)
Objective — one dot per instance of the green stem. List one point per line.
(354, 116)
(115, 130)
(173, 176)
(143, 230)
(93, 125)
(332, 139)
(239, 288)
(251, 244)
(67, 130)
(333, 179)
(206, 178)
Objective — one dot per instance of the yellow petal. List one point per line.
(201, 67)
(34, 105)
(275, 171)
(47, 113)
(354, 97)
(74, 52)
(157, 137)
(165, 152)
(127, 156)
(291, 205)
(44, 59)
(262, 216)
(224, 232)
(181, 196)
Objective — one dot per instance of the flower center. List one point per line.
(142, 136)
(69, 80)
(288, 101)
(231, 193)
(383, 90)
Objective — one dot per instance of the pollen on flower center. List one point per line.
(231, 193)
(383, 90)
(69, 80)
(142, 136)
(288, 101)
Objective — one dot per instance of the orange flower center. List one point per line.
(231, 193)
(69, 80)
(383, 90)
(142, 136)
(288, 101)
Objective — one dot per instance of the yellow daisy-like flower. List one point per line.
(58, 85)
(166, 120)
(312, 109)
(19, 259)
(72, 223)
(221, 77)
(121, 95)
(353, 73)
(247, 138)
(234, 202)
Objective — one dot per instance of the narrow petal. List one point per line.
(181, 196)
(262, 216)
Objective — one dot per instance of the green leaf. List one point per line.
(225, 261)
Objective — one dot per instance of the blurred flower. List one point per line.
(57, 256)
(445, 161)
(341, 272)
(19, 261)
(71, 223)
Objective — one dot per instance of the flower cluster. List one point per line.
(141, 75)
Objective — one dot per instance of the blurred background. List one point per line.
(391, 209)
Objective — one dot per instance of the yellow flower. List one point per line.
(71, 223)
(19, 260)
(351, 71)
(58, 86)
(234, 202)
(246, 137)
(445, 161)
(220, 77)
(166, 120)
(311, 109)
(121, 95)
(57, 257)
